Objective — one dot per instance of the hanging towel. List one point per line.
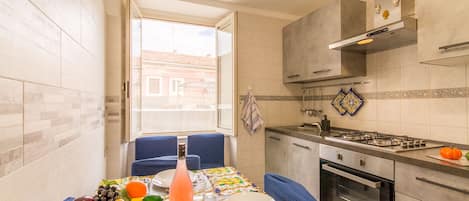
(251, 115)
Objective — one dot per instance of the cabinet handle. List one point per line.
(274, 138)
(293, 76)
(322, 71)
(422, 179)
(447, 47)
(301, 146)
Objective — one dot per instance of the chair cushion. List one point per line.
(152, 166)
(284, 189)
(210, 148)
(155, 146)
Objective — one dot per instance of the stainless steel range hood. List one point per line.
(393, 26)
(391, 36)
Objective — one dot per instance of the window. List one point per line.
(176, 87)
(153, 86)
(179, 65)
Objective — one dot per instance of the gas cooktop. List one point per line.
(380, 141)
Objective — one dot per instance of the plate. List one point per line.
(164, 178)
(251, 196)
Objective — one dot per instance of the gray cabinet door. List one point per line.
(294, 58)
(440, 24)
(303, 164)
(429, 185)
(276, 147)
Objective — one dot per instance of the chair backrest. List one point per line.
(284, 189)
(155, 146)
(210, 148)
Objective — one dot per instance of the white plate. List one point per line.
(164, 178)
(251, 196)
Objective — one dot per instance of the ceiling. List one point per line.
(291, 7)
(216, 9)
(183, 8)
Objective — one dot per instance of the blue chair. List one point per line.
(69, 199)
(210, 148)
(284, 189)
(157, 153)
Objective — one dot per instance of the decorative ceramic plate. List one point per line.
(337, 100)
(251, 196)
(352, 102)
(164, 178)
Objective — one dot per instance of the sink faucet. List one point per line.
(317, 124)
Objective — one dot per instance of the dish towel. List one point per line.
(251, 115)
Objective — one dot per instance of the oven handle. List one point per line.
(352, 177)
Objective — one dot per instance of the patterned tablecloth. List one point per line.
(220, 182)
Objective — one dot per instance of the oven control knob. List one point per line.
(362, 163)
(340, 157)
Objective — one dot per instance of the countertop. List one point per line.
(417, 157)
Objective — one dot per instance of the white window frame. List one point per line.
(175, 91)
(148, 93)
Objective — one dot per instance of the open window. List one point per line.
(184, 78)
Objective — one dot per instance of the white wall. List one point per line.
(52, 73)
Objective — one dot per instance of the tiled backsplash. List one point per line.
(405, 97)
(51, 97)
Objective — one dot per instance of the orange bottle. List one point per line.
(181, 187)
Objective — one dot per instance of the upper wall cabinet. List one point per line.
(443, 37)
(306, 53)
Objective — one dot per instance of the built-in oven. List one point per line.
(342, 179)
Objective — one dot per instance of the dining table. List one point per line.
(215, 184)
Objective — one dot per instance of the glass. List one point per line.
(182, 58)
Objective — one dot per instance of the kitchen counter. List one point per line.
(417, 157)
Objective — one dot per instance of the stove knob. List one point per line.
(362, 163)
(417, 143)
(340, 157)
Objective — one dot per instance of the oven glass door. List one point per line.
(339, 183)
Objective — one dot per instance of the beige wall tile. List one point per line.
(389, 127)
(415, 111)
(33, 40)
(447, 77)
(74, 64)
(415, 77)
(389, 110)
(415, 130)
(51, 119)
(66, 13)
(11, 126)
(449, 134)
(448, 112)
(389, 78)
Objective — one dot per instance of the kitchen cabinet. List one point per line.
(294, 158)
(303, 164)
(276, 148)
(443, 24)
(306, 53)
(416, 183)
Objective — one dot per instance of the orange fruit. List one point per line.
(136, 189)
(450, 153)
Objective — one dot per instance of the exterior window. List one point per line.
(179, 64)
(176, 87)
(154, 86)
